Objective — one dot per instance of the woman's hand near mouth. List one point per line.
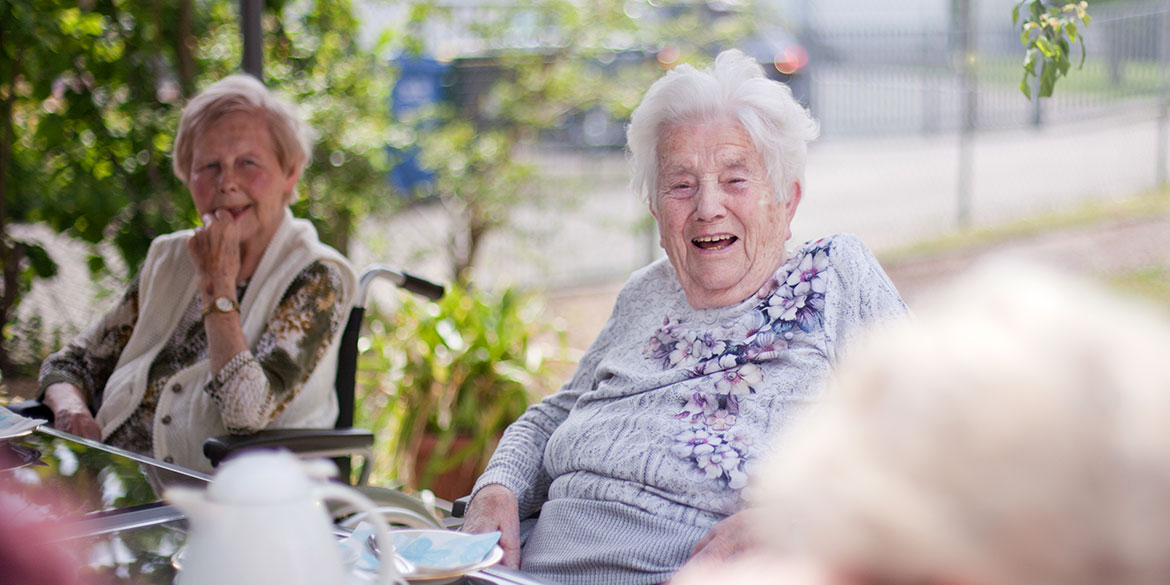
(215, 250)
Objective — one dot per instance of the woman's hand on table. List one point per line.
(70, 411)
(495, 508)
(215, 250)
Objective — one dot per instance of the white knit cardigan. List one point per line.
(186, 414)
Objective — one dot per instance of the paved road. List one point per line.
(889, 191)
(892, 192)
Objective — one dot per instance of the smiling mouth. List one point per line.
(714, 242)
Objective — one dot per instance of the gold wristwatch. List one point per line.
(220, 304)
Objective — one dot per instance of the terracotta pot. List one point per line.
(454, 483)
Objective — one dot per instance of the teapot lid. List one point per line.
(266, 477)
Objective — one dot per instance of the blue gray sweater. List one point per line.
(654, 438)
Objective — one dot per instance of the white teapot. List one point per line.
(262, 521)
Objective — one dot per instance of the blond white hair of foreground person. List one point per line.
(1016, 433)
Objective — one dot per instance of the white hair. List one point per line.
(292, 137)
(734, 88)
(1017, 433)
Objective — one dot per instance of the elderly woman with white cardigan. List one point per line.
(230, 327)
(640, 461)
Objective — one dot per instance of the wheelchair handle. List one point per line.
(415, 284)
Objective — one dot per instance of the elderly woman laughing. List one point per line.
(639, 462)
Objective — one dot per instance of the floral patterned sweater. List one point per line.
(654, 438)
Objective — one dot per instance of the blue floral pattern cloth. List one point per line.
(787, 310)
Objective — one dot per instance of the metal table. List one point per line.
(109, 501)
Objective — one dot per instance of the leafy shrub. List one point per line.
(464, 367)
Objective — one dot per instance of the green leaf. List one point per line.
(1047, 80)
(1030, 59)
(96, 263)
(1046, 48)
(42, 264)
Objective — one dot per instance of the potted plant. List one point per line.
(441, 382)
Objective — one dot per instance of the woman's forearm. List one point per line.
(244, 395)
(71, 411)
(251, 385)
(63, 395)
(88, 360)
(225, 337)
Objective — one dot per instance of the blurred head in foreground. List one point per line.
(1016, 433)
(35, 544)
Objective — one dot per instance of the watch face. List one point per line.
(223, 304)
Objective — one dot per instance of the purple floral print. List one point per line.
(723, 362)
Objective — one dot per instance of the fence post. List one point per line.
(964, 28)
(1037, 104)
(1163, 149)
(930, 82)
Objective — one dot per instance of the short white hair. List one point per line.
(291, 135)
(1016, 433)
(733, 88)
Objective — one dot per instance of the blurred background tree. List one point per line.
(88, 102)
(523, 71)
(90, 94)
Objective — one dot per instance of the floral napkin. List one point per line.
(427, 552)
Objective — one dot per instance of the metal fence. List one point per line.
(908, 80)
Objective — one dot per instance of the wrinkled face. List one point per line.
(234, 167)
(721, 226)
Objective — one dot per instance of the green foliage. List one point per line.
(343, 90)
(466, 366)
(1151, 283)
(1047, 33)
(33, 341)
(92, 110)
(88, 104)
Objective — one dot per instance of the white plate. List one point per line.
(439, 575)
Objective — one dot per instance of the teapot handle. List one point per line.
(387, 572)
